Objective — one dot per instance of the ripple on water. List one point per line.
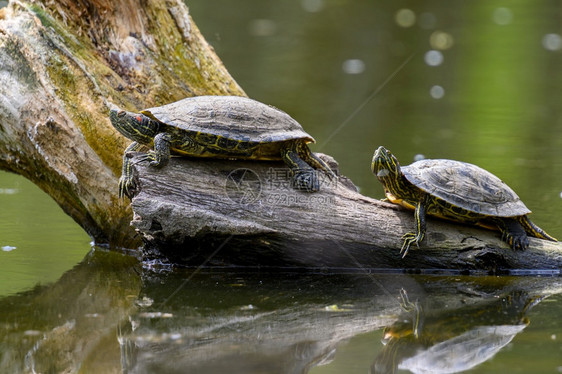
(8, 191)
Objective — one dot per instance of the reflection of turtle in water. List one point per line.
(219, 127)
(455, 340)
(454, 190)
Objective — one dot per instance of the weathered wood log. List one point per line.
(62, 64)
(216, 212)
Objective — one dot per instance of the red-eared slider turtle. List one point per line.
(219, 127)
(454, 190)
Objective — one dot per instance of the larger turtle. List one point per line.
(454, 190)
(220, 127)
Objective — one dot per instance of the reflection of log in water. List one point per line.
(254, 323)
(70, 324)
(450, 341)
(261, 323)
(103, 316)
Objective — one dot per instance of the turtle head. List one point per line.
(135, 126)
(387, 169)
(396, 186)
(385, 166)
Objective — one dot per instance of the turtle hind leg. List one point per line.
(305, 177)
(310, 158)
(534, 230)
(513, 233)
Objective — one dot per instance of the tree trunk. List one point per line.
(245, 213)
(63, 63)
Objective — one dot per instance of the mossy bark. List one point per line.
(63, 64)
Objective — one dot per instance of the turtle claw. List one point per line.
(127, 187)
(306, 181)
(145, 157)
(123, 187)
(153, 159)
(409, 239)
(516, 242)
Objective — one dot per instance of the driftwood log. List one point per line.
(216, 212)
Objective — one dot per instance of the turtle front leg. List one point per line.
(305, 176)
(160, 156)
(126, 182)
(415, 237)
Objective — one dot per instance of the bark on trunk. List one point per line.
(63, 63)
(217, 212)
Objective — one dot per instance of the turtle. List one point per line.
(457, 191)
(228, 127)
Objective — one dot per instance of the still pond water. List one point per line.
(478, 82)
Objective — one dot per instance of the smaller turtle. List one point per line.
(228, 127)
(457, 191)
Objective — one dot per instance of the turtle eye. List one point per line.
(121, 113)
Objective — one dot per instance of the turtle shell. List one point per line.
(232, 117)
(466, 186)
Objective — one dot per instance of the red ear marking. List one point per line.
(139, 119)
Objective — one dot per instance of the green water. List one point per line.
(38, 242)
(356, 74)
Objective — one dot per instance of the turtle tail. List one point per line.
(534, 230)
